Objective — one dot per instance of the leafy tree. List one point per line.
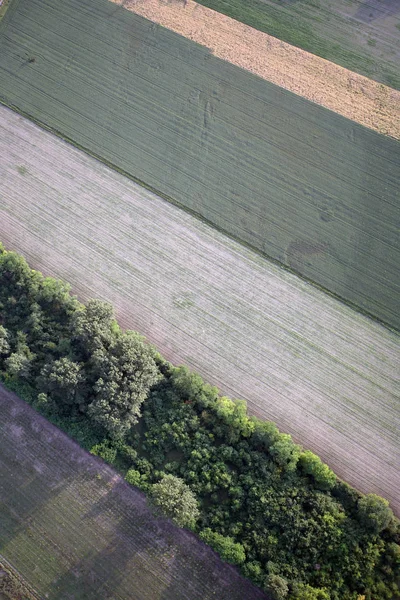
(94, 328)
(126, 373)
(277, 586)
(61, 380)
(374, 512)
(18, 365)
(226, 546)
(4, 345)
(285, 452)
(175, 500)
(312, 465)
(306, 592)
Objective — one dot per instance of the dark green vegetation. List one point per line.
(360, 36)
(307, 187)
(264, 503)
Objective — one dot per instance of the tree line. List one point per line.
(260, 500)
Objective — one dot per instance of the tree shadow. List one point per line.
(148, 557)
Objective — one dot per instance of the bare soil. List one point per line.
(321, 371)
(356, 97)
(77, 531)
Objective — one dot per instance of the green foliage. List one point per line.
(277, 586)
(231, 551)
(285, 452)
(105, 451)
(374, 512)
(4, 345)
(175, 500)
(137, 479)
(306, 592)
(126, 373)
(60, 380)
(312, 465)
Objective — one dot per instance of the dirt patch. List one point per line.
(356, 97)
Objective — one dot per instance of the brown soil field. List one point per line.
(76, 531)
(321, 371)
(356, 97)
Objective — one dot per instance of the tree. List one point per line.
(285, 452)
(94, 328)
(374, 512)
(312, 465)
(175, 500)
(4, 345)
(61, 380)
(277, 586)
(126, 373)
(229, 550)
(18, 364)
(306, 592)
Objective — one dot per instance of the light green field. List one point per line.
(320, 370)
(301, 184)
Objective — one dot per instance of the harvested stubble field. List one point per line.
(347, 93)
(300, 183)
(76, 530)
(361, 35)
(320, 370)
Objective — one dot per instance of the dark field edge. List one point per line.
(200, 217)
(13, 585)
(272, 20)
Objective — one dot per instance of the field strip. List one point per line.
(303, 185)
(323, 372)
(74, 529)
(352, 95)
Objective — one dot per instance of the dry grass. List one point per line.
(356, 97)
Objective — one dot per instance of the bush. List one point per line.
(227, 548)
(175, 500)
(105, 452)
(374, 512)
(312, 465)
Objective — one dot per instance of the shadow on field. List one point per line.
(377, 9)
(148, 558)
(124, 567)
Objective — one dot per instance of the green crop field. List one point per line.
(301, 184)
(75, 530)
(320, 370)
(362, 36)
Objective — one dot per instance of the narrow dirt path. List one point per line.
(356, 97)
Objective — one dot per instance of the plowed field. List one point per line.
(323, 372)
(76, 531)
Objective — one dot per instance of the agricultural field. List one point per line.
(362, 36)
(345, 92)
(320, 370)
(301, 184)
(12, 586)
(75, 530)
